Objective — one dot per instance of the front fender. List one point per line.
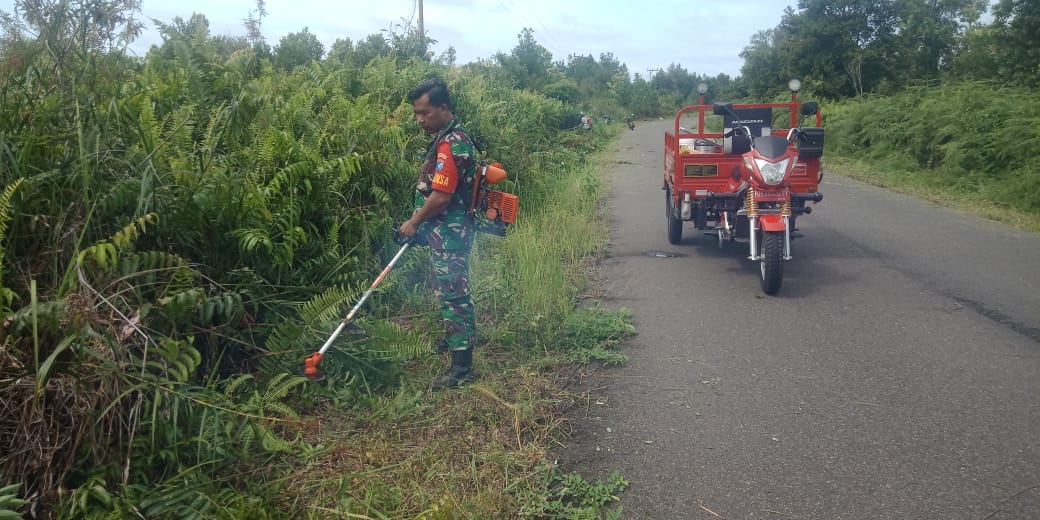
(771, 223)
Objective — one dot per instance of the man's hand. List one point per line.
(435, 204)
(409, 228)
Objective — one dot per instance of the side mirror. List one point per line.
(809, 108)
(721, 109)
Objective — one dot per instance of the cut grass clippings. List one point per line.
(459, 454)
(477, 452)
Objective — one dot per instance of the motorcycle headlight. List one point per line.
(772, 173)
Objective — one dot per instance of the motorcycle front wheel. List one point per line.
(772, 263)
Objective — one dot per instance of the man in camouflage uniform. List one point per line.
(442, 219)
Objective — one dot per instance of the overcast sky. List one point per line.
(703, 36)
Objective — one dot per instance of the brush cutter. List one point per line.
(310, 365)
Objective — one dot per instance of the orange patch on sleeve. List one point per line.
(446, 175)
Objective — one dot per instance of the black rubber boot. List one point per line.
(460, 373)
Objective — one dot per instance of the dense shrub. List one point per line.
(973, 137)
(179, 231)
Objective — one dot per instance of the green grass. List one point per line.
(594, 334)
(482, 451)
(932, 187)
(539, 261)
(568, 495)
(269, 197)
(970, 145)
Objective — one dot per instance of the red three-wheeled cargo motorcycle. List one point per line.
(748, 181)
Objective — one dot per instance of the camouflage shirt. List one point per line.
(450, 165)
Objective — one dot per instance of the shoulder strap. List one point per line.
(478, 181)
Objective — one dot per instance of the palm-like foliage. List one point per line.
(179, 232)
(169, 223)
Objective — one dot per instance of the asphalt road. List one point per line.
(895, 376)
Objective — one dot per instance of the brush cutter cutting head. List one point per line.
(310, 367)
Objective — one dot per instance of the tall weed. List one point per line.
(188, 227)
(539, 263)
(973, 140)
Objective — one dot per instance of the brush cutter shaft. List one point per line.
(371, 289)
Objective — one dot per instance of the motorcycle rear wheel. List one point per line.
(674, 223)
(772, 263)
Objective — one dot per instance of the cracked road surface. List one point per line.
(895, 376)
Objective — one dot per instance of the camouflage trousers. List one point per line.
(451, 285)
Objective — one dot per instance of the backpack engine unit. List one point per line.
(492, 210)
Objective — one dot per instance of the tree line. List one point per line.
(846, 48)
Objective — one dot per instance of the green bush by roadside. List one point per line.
(971, 144)
(179, 232)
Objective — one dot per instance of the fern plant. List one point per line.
(7, 296)
(198, 216)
